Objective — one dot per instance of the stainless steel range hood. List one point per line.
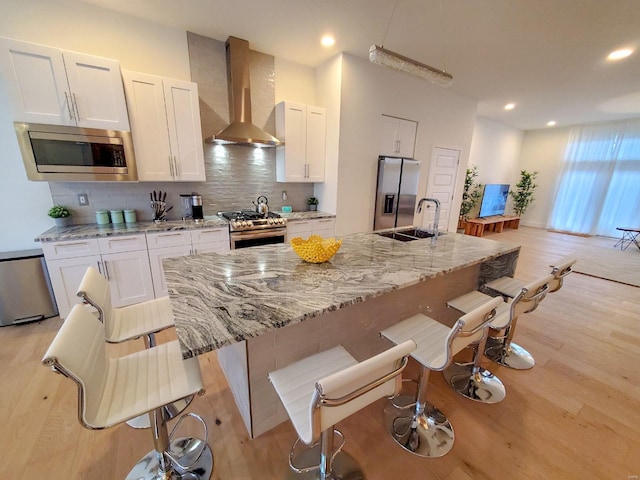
(241, 131)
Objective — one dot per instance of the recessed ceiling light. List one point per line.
(620, 54)
(328, 41)
(510, 106)
(551, 123)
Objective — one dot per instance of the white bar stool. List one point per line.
(427, 432)
(321, 390)
(501, 349)
(127, 323)
(510, 287)
(113, 390)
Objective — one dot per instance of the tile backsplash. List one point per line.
(236, 175)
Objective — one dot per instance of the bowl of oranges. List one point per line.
(315, 249)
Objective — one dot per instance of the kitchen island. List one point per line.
(263, 308)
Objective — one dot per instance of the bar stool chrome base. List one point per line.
(476, 383)
(148, 466)
(513, 356)
(428, 434)
(170, 411)
(343, 466)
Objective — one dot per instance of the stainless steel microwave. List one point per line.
(75, 154)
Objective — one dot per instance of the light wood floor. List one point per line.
(575, 415)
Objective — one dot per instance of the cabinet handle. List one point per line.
(397, 146)
(99, 267)
(67, 100)
(106, 270)
(169, 235)
(177, 166)
(75, 106)
(171, 167)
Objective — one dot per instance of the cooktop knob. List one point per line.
(249, 223)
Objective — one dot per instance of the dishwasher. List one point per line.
(25, 288)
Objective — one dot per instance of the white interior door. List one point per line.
(443, 172)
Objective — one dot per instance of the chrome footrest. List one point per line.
(185, 452)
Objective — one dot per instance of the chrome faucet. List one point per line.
(437, 214)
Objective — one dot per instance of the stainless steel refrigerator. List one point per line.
(396, 192)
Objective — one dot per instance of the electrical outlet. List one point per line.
(83, 199)
(284, 195)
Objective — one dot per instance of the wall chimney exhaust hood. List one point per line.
(241, 131)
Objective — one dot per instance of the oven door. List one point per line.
(256, 238)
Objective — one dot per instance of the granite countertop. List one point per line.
(92, 230)
(222, 299)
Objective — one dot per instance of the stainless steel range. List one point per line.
(248, 228)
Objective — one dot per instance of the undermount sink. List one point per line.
(407, 235)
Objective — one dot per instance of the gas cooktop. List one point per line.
(252, 220)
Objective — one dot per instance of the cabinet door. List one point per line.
(291, 128)
(300, 228)
(397, 137)
(185, 135)
(325, 227)
(97, 91)
(36, 83)
(316, 143)
(66, 275)
(156, 256)
(145, 100)
(129, 277)
(406, 138)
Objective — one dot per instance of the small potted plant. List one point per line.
(313, 203)
(61, 215)
(470, 196)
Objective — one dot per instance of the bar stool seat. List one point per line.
(321, 390)
(113, 390)
(500, 348)
(122, 324)
(426, 431)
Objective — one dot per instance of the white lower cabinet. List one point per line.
(325, 227)
(123, 260)
(180, 244)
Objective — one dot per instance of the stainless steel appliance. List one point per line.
(25, 289)
(196, 208)
(67, 154)
(248, 228)
(396, 192)
(262, 207)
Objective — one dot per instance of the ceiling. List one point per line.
(546, 56)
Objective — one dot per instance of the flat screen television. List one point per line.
(494, 200)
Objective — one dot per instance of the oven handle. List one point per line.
(273, 232)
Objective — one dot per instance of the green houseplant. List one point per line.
(523, 194)
(470, 194)
(313, 203)
(61, 215)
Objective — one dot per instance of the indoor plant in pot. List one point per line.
(523, 194)
(470, 195)
(313, 203)
(61, 215)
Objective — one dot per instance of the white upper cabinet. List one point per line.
(49, 85)
(303, 130)
(165, 126)
(398, 137)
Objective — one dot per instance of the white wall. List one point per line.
(543, 151)
(495, 150)
(329, 81)
(138, 44)
(295, 83)
(444, 119)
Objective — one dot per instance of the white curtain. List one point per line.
(600, 185)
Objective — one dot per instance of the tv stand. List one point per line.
(477, 226)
